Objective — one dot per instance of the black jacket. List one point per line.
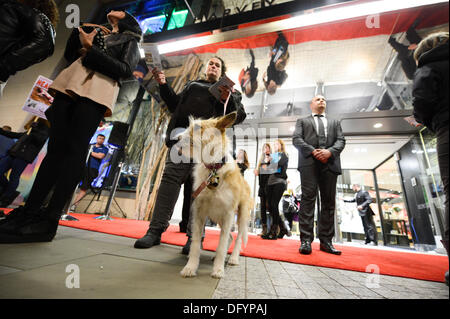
(196, 100)
(28, 146)
(430, 91)
(306, 140)
(121, 54)
(27, 37)
(362, 198)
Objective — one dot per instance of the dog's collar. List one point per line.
(215, 166)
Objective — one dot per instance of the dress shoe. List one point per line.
(328, 248)
(305, 248)
(149, 240)
(187, 247)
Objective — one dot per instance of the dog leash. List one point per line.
(212, 179)
(203, 185)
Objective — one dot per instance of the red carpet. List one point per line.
(394, 263)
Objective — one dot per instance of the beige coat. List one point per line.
(77, 80)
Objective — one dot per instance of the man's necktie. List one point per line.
(322, 138)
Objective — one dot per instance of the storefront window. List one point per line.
(396, 225)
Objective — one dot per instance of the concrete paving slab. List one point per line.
(106, 276)
(32, 255)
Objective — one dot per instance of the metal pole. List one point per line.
(106, 216)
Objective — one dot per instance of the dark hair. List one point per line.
(7, 128)
(430, 42)
(47, 7)
(100, 135)
(223, 69)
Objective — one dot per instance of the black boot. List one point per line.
(29, 228)
(149, 240)
(187, 247)
(264, 230)
(273, 233)
(183, 227)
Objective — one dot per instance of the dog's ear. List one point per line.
(226, 121)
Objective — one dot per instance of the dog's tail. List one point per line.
(243, 219)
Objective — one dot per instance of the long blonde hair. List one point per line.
(263, 154)
(283, 146)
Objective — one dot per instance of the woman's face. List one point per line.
(115, 16)
(240, 155)
(277, 146)
(266, 149)
(213, 69)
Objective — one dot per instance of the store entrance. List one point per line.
(372, 163)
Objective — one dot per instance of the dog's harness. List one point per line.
(212, 181)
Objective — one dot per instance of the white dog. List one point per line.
(219, 190)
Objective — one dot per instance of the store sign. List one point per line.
(246, 6)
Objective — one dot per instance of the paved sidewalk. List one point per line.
(109, 267)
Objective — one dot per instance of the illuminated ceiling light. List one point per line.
(320, 16)
(292, 128)
(378, 125)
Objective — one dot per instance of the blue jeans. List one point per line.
(17, 167)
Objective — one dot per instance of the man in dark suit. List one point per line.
(319, 141)
(363, 201)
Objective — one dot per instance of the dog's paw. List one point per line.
(218, 273)
(188, 272)
(233, 261)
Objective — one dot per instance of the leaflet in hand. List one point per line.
(152, 58)
(223, 81)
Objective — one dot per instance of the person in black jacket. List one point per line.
(100, 57)
(194, 100)
(319, 141)
(263, 173)
(363, 201)
(276, 74)
(22, 153)
(276, 185)
(27, 34)
(431, 104)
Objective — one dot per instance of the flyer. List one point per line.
(39, 99)
(152, 57)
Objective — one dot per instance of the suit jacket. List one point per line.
(306, 140)
(362, 198)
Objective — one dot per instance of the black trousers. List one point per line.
(174, 175)
(442, 151)
(264, 206)
(73, 123)
(313, 179)
(187, 201)
(370, 229)
(274, 193)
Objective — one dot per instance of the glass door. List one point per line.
(395, 224)
(349, 221)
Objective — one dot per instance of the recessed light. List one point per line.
(292, 128)
(378, 125)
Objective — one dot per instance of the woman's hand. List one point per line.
(159, 76)
(224, 92)
(86, 39)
